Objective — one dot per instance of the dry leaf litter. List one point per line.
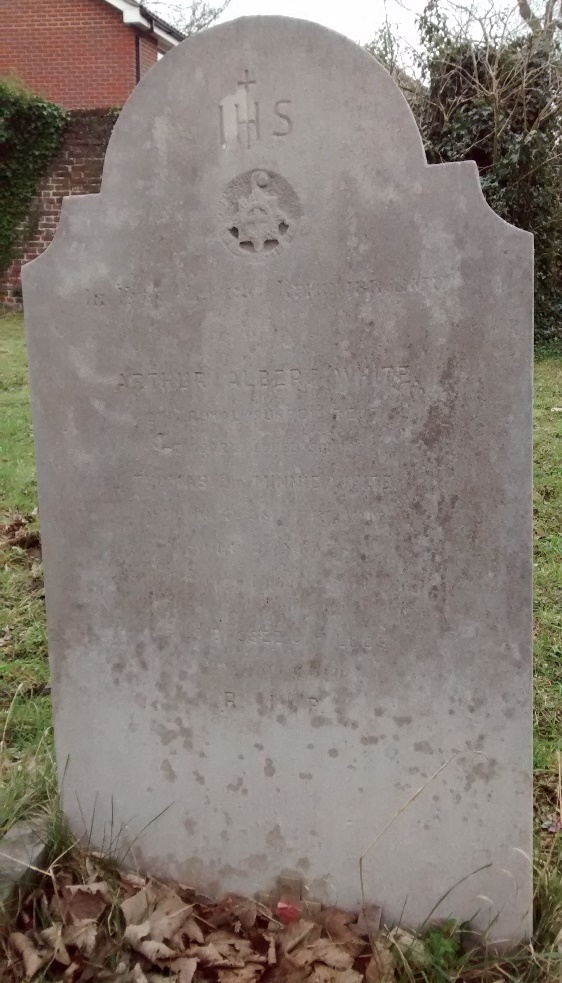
(129, 929)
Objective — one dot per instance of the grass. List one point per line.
(27, 780)
(548, 560)
(26, 758)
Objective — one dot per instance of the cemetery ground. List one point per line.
(28, 784)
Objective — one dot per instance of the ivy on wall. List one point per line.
(31, 131)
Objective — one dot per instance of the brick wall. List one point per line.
(148, 51)
(78, 53)
(77, 170)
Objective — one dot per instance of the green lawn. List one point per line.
(26, 760)
(548, 560)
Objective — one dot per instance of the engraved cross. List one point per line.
(247, 81)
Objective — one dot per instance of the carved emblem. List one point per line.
(261, 213)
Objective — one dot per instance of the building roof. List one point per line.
(136, 15)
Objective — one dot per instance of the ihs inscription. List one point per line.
(242, 123)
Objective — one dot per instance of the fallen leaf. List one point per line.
(191, 929)
(118, 975)
(380, 968)
(53, 936)
(324, 951)
(246, 974)
(138, 937)
(412, 948)
(369, 920)
(83, 935)
(137, 976)
(133, 881)
(165, 913)
(135, 909)
(324, 974)
(85, 901)
(287, 972)
(271, 953)
(210, 955)
(242, 909)
(295, 934)
(34, 958)
(185, 968)
(232, 946)
(71, 973)
(337, 926)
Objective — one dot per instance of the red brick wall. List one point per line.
(77, 170)
(148, 51)
(78, 53)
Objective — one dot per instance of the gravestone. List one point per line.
(281, 380)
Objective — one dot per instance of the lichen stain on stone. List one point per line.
(168, 771)
(281, 718)
(275, 839)
(423, 747)
(167, 734)
(439, 420)
(258, 747)
(333, 752)
(402, 721)
(369, 739)
(257, 861)
(401, 787)
(305, 775)
(320, 721)
(235, 786)
(199, 778)
(303, 863)
(190, 825)
(484, 771)
(139, 652)
(117, 668)
(269, 768)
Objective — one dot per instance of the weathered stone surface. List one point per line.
(281, 377)
(23, 851)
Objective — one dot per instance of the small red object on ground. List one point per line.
(287, 912)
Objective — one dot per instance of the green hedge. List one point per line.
(31, 131)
